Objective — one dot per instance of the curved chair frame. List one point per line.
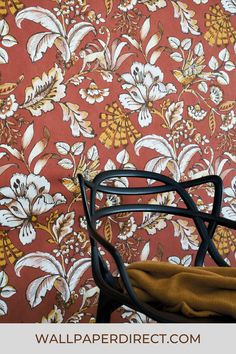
(110, 297)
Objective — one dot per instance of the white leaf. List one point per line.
(157, 143)
(129, 166)
(177, 57)
(186, 155)
(186, 43)
(63, 148)
(4, 28)
(187, 22)
(62, 45)
(28, 136)
(155, 55)
(122, 157)
(9, 41)
(186, 260)
(37, 149)
(65, 163)
(145, 29)
(223, 78)
(198, 49)
(92, 153)
(174, 42)
(232, 157)
(203, 87)
(12, 150)
(174, 113)
(62, 286)
(174, 260)
(76, 272)
(109, 165)
(131, 40)
(229, 66)
(79, 124)
(224, 54)
(39, 43)
(42, 16)
(63, 226)
(229, 5)
(3, 279)
(8, 291)
(3, 56)
(77, 33)
(44, 90)
(3, 308)
(5, 167)
(153, 41)
(45, 261)
(213, 63)
(38, 288)
(41, 163)
(157, 164)
(77, 148)
(145, 252)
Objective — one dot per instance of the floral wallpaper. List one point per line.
(91, 85)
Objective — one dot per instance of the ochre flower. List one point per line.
(8, 250)
(219, 28)
(119, 129)
(224, 240)
(13, 5)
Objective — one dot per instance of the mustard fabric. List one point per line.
(193, 291)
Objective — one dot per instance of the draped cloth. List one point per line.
(192, 291)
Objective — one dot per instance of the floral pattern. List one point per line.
(100, 86)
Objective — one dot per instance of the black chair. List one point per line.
(111, 297)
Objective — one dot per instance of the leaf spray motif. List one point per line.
(39, 43)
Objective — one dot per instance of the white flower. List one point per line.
(216, 94)
(229, 121)
(230, 211)
(154, 5)
(93, 94)
(127, 5)
(8, 107)
(144, 86)
(127, 228)
(26, 198)
(196, 112)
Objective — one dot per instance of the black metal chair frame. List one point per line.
(111, 297)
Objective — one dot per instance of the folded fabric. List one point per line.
(193, 291)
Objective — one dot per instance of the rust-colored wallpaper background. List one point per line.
(91, 85)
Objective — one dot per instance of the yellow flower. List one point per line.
(224, 240)
(8, 250)
(14, 6)
(219, 28)
(119, 129)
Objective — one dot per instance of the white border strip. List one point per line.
(120, 338)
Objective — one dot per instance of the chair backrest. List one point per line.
(104, 183)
